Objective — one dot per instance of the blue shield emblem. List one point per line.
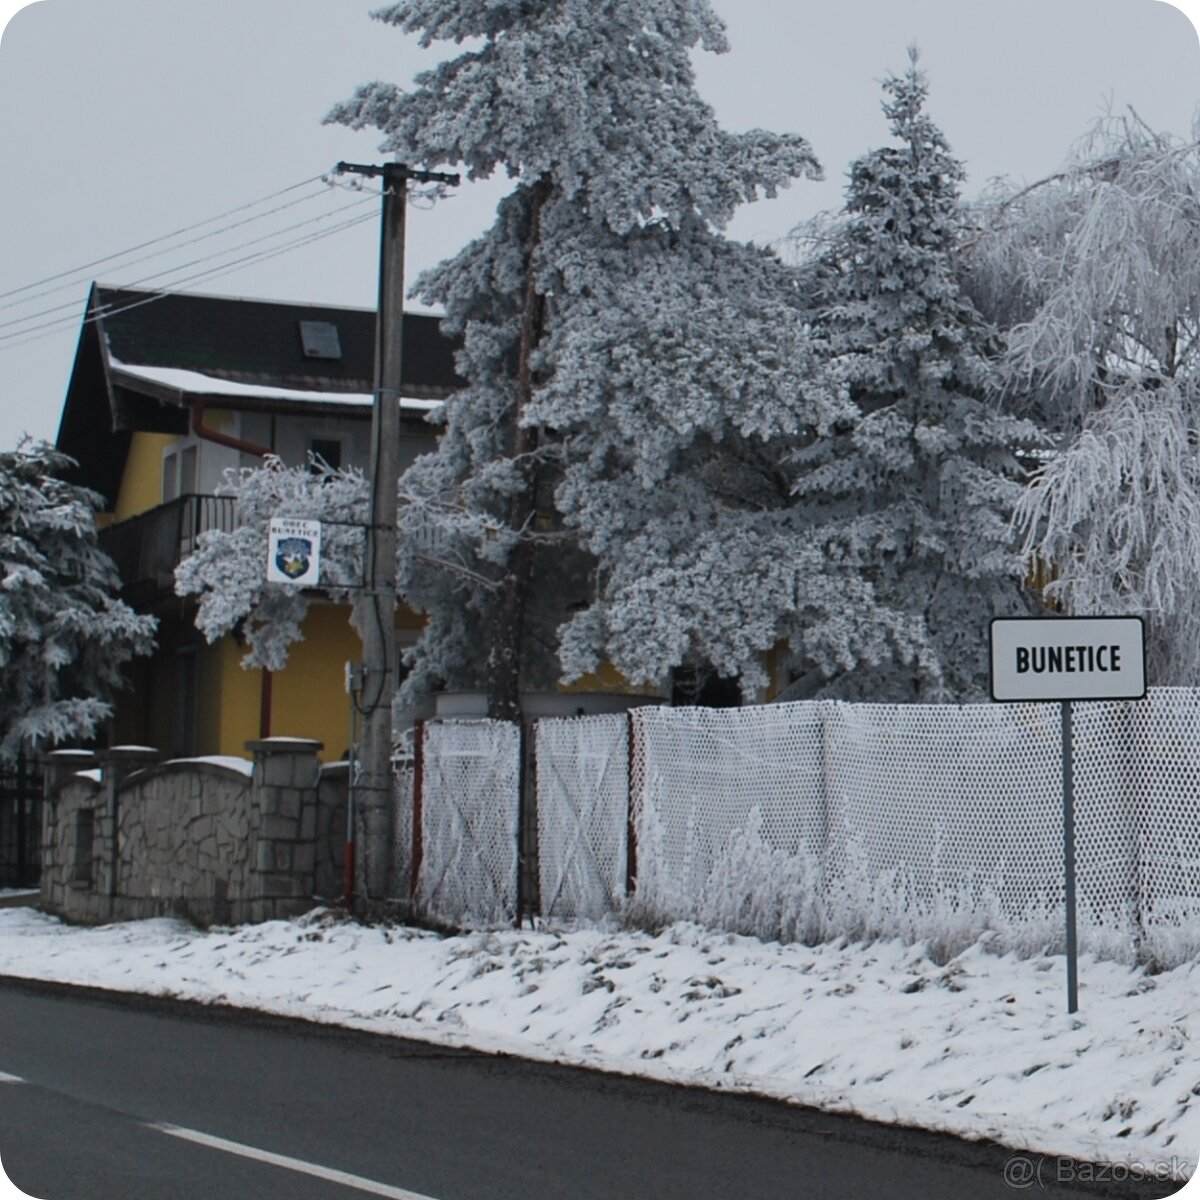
(292, 556)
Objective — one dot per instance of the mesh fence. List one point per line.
(582, 814)
(816, 820)
(933, 822)
(469, 823)
(1137, 771)
(402, 825)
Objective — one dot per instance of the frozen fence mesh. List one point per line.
(582, 812)
(943, 821)
(819, 820)
(1137, 773)
(402, 824)
(730, 815)
(468, 871)
(924, 821)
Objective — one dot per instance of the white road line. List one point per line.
(291, 1164)
(10, 1078)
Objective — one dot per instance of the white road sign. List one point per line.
(1068, 658)
(294, 551)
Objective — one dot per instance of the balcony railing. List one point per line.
(147, 548)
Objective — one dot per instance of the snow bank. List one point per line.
(981, 1047)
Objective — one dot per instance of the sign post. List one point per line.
(1065, 659)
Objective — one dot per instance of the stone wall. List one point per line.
(126, 836)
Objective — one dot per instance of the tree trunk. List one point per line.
(507, 626)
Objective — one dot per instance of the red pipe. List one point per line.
(202, 431)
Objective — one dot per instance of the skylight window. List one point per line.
(320, 339)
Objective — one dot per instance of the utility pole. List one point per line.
(375, 612)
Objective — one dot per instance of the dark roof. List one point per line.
(258, 341)
(251, 342)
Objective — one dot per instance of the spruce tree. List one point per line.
(64, 632)
(914, 493)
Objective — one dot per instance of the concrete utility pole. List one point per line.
(375, 612)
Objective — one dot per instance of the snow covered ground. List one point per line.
(980, 1047)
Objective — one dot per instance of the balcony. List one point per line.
(147, 548)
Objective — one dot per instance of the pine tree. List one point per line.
(601, 307)
(64, 633)
(914, 493)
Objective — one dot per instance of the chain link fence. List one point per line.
(467, 874)
(817, 820)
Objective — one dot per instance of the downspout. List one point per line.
(204, 433)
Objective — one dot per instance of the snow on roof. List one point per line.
(196, 383)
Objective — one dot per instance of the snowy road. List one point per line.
(148, 1098)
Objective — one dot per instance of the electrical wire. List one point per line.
(266, 237)
(83, 273)
(162, 238)
(23, 337)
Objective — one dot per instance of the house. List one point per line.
(167, 391)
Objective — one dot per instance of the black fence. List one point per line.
(147, 548)
(20, 825)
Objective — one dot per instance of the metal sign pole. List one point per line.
(1068, 781)
(1058, 660)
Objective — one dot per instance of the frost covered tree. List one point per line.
(914, 493)
(227, 571)
(616, 348)
(64, 632)
(1095, 272)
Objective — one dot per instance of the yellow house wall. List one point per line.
(308, 697)
(229, 701)
(141, 484)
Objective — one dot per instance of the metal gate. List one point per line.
(20, 825)
(470, 816)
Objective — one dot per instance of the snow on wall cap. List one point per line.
(284, 745)
(64, 754)
(131, 749)
(93, 774)
(230, 762)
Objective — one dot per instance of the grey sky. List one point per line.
(126, 119)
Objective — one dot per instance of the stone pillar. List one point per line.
(116, 764)
(57, 767)
(283, 826)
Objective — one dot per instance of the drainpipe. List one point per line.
(204, 433)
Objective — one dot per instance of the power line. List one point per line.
(24, 337)
(84, 274)
(71, 304)
(162, 238)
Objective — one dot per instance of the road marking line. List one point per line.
(10, 1078)
(291, 1164)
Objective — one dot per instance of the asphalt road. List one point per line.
(104, 1097)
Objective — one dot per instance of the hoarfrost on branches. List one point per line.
(1097, 271)
(621, 357)
(227, 571)
(64, 633)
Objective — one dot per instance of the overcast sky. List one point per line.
(124, 120)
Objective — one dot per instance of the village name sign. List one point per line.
(1065, 659)
(1068, 658)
